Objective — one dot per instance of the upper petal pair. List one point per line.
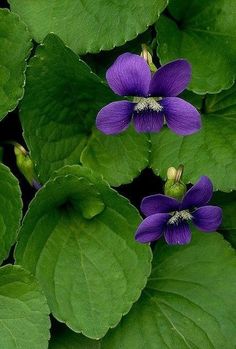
(198, 195)
(130, 76)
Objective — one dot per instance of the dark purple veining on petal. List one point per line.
(148, 121)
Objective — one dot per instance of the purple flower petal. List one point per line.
(148, 121)
(177, 234)
(207, 218)
(181, 117)
(158, 204)
(114, 117)
(171, 79)
(129, 75)
(200, 194)
(151, 227)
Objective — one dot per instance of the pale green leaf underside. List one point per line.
(117, 158)
(15, 46)
(209, 152)
(89, 26)
(189, 302)
(60, 105)
(24, 320)
(204, 32)
(91, 270)
(10, 210)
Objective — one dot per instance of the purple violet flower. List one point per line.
(171, 217)
(154, 97)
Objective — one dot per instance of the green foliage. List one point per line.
(117, 158)
(15, 46)
(61, 101)
(89, 26)
(209, 152)
(75, 248)
(24, 321)
(204, 32)
(89, 266)
(10, 210)
(189, 296)
(188, 302)
(228, 204)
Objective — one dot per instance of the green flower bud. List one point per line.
(174, 187)
(25, 164)
(148, 58)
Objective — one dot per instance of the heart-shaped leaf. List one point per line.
(89, 266)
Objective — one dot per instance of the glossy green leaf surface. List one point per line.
(211, 151)
(189, 300)
(61, 102)
(15, 46)
(89, 26)
(10, 210)
(24, 317)
(204, 32)
(89, 265)
(117, 158)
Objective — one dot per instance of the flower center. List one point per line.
(149, 103)
(177, 216)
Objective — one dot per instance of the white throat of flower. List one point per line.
(149, 103)
(180, 216)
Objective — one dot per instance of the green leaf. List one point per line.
(15, 46)
(228, 203)
(91, 270)
(117, 158)
(205, 34)
(189, 302)
(71, 340)
(209, 152)
(10, 210)
(24, 320)
(101, 61)
(89, 26)
(60, 105)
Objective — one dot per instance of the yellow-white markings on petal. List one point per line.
(149, 103)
